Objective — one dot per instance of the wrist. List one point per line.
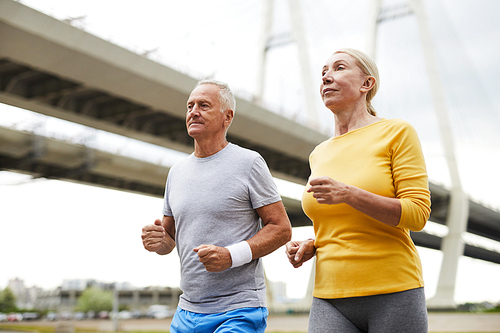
(167, 245)
(241, 253)
(348, 194)
(311, 242)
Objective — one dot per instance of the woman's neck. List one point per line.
(348, 121)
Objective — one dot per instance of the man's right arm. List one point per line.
(160, 236)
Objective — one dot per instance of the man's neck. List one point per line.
(205, 148)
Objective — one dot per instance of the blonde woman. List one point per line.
(368, 188)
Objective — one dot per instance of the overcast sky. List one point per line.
(58, 230)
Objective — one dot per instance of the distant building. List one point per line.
(278, 289)
(77, 284)
(65, 299)
(25, 297)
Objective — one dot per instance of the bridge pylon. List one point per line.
(269, 40)
(452, 245)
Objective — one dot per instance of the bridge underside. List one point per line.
(54, 69)
(49, 158)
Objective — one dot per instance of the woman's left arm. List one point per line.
(329, 191)
(410, 208)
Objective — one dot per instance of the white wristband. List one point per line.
(241, 253)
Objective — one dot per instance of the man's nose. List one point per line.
(195, 110)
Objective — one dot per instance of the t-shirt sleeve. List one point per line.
(410, 179)
(166, 206)
(261, 186)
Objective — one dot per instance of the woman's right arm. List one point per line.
(298, 252)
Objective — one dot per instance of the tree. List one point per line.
(95, 299)
(7, 301)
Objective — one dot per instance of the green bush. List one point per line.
(495, 309)
(7, 301)
(95, 299)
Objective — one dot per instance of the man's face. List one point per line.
(204, 117)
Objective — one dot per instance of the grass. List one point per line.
(40, 328)
(52, 329)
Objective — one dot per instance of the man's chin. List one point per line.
(193, 131)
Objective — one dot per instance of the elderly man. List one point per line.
(223, 211)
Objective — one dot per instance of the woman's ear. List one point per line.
(368, 84)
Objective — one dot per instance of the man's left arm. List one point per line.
(276, 230)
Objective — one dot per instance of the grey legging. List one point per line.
(402, 312)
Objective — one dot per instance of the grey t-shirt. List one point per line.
(213, 201)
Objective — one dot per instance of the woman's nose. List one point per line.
(327, 78)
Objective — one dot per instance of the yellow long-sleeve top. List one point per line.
(357, 255)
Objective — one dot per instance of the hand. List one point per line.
(328, 191)
(298, 252)
(214, 258)
(152, 236)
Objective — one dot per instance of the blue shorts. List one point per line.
(243, 320)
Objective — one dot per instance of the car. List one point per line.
(137, 314)
(113, 315)
(52, 316)
(14, 317)
(104, 315)
(30, 316)
(91, 314)
(158, 311)
(79, 315)
(3, 317)
(66, 315)
(124, 314)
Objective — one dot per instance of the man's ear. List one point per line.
(228, 116)
(368, 84)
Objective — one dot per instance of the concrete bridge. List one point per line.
(55, 69)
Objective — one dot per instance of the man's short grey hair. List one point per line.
(226, 96)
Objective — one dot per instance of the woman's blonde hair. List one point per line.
(368, 67)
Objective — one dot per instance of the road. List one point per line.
(438, 322)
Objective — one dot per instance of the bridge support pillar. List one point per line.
(310, 286)
(373, 20)
(452, 245)
(452, 248)
(297, 35)
(456, 220)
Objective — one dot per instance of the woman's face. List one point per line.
(341, 82)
